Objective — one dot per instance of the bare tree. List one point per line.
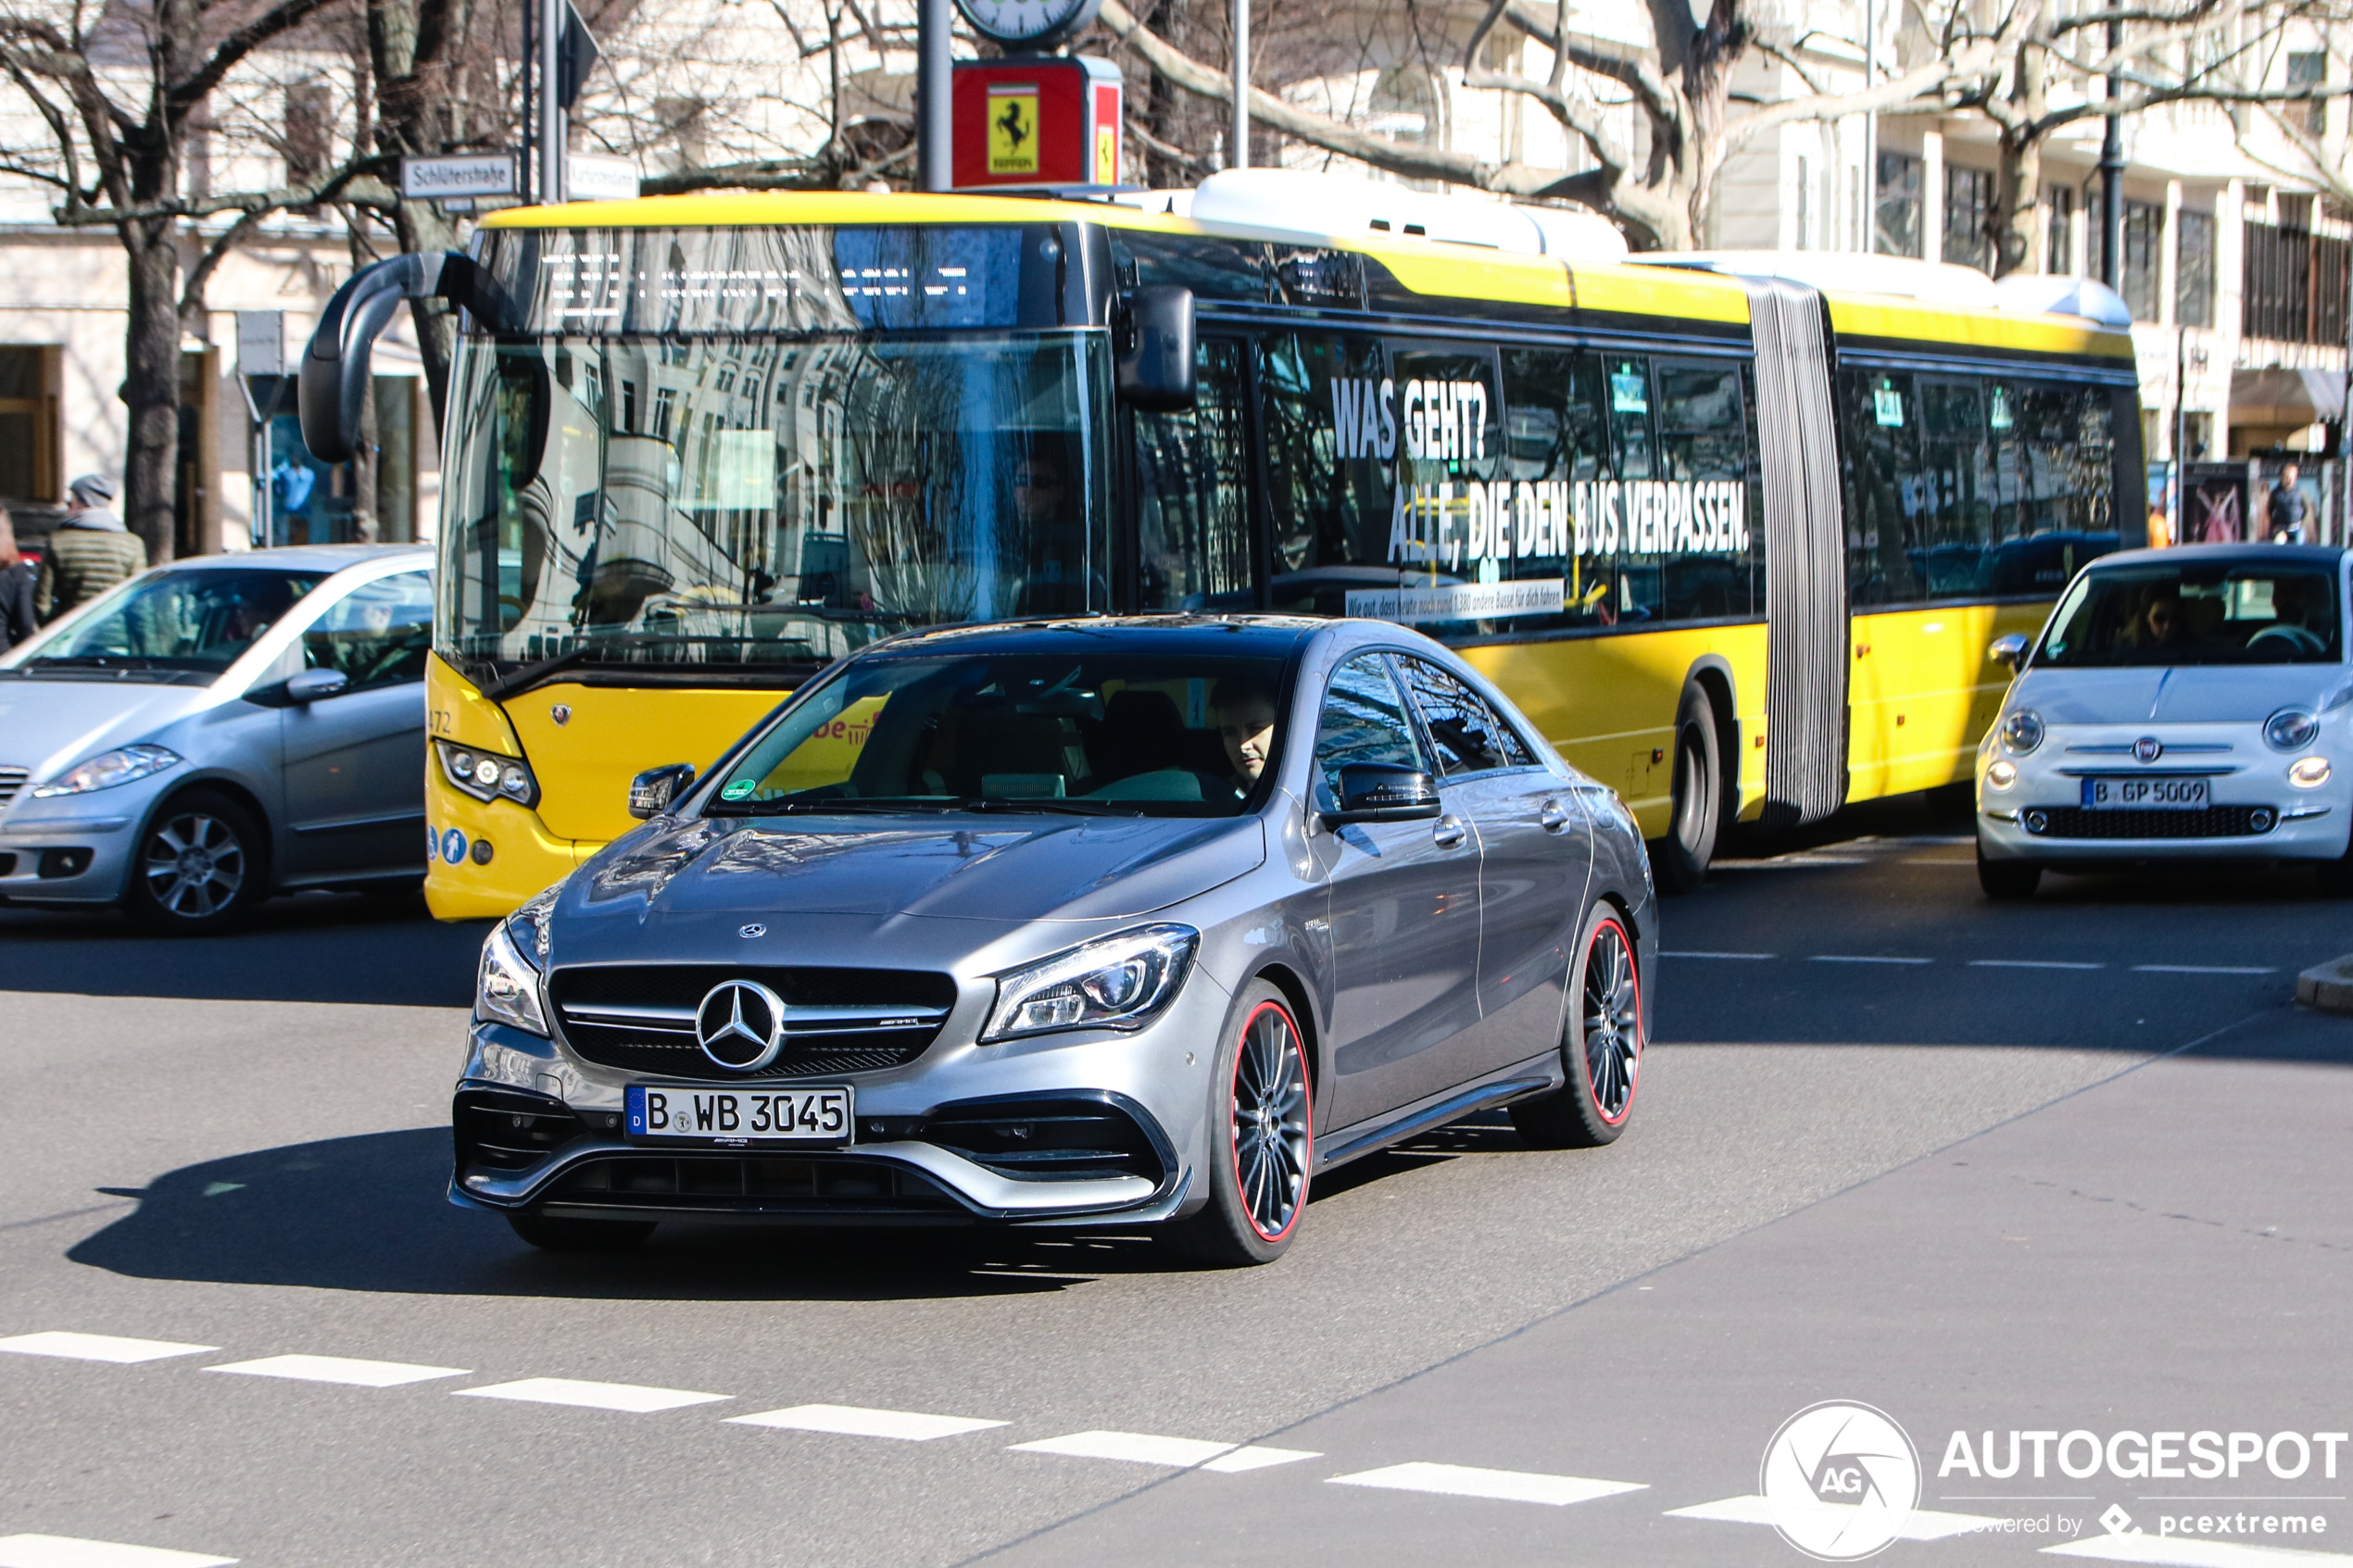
(116, 95)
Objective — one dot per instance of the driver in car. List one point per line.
(2160, 623)
(2292, 604)
(1246, 724)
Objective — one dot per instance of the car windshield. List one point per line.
(1088, 734)
(2198, 612)
(177, 621)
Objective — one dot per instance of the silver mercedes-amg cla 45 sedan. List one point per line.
(1147, 921)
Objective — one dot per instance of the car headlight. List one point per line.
(2291, 728)
(121, 765)
(2308, 773)
(507, 986)
(2022, 730)
(488, 775)
(1114, 983)
(2000, 774)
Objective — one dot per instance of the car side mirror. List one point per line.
(2008, 649)
(311, 685)
(1153, 364)
(1382, 791)
(652, 792)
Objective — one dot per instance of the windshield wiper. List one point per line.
(100, 661)
(1051, 803)
(837, 806)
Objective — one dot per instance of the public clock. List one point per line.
(1027, 24)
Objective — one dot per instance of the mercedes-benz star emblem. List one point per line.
(561, 714)
(2148, 748)
(740, 1025)
(752, 932)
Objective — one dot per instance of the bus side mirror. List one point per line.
(332, 385)
(2009, 649)
(652, 792)
(1154, 352)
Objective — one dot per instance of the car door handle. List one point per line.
(1553, 816)
(1448, 832)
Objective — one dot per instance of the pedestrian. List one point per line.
(90, 552)
(18, 577)
(2287, 508)
(2160, 527)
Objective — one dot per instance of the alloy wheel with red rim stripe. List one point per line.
(1272, 1120)
(1612, 1022)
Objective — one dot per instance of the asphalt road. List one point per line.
(2077, 1164)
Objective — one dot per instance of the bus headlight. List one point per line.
(2000, 774)
(2308, 773)
(2022, 730)
(488, 775)
(2291, 728)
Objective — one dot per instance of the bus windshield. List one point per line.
(764, 503)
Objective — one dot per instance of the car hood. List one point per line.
(879, 868)
(2196, 694)
(46, 726)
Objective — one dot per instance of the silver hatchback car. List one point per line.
(219, 729)
(1144, 921)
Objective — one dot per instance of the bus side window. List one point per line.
(1327, 481)
(1192, 498)
(1554, 436)
(1702, 437)
(1882, 416)
(1948, 551)
(1628, 400)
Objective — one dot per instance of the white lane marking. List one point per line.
(1863, 958)
(1182, 1453)
(1784, 862)
(65, 1551)
(98, 1347)
(2197, 968)
(1251, 1457)
(2191, 1553)
(341, 1368)
(856, 1422)
(1509, 1485)
(1925, 1524)
(628, 1397)
(2029, 963)
(1719, 955)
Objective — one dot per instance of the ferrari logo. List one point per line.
(1012, 129)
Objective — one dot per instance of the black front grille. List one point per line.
(1047, 1139)
(2212, 821)
(505, 1130)
(666, 1047)
(752, 1184)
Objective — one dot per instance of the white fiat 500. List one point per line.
(2180, 703)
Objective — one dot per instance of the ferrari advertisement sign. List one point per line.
(1037, 123)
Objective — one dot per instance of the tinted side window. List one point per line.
(1192, 505)
(1955, 522)
(1880, 411)
(1326, 464)
(1469, 736)
(1702, 437)
(1363, 722)
(377, 635)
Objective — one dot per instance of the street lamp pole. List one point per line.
(935, 105)
(2112, 177)
(551, 108)
(1867, 240)
(1238, 139)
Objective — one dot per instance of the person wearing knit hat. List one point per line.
(90, 552)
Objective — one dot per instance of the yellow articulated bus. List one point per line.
(1737, 543)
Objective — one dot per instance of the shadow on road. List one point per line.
(310, 948)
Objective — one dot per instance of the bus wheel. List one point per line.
(1680, 860)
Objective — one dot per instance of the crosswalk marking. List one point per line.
(2182, 1552)
(98, 1347)
(856, 1422)
(1182, 1453)
(65, 1551)
(1466, 1480)
(340, 1368)
(630, 1397)
(1925, 1524)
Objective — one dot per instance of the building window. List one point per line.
(2293, 283)
(2059, 221)
(2194, 269)
(2309, 70)
(30, 445)
(1969, 217)
(1898, 219)
(2143, 246)
(309, 119)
